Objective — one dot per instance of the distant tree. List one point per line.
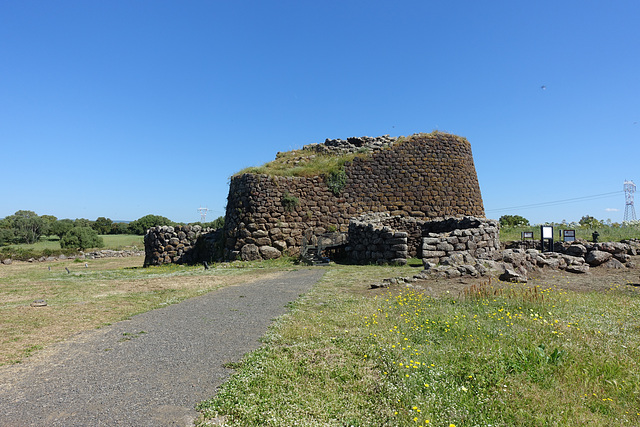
(49, 220)
(81, 238)
(141, 225)
(513, 221)
(588, 221)
(7, 235)
(102, 225)
(119, 228)
(215, 224)
(61, 227)
(82, 222)
(27, 226)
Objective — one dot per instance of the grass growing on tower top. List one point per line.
(301, 163)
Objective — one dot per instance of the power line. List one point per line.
(559, 202)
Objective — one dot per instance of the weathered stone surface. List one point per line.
(622, 257)
(613, 247)
(596, 257)
(578, 269)
(269, 252)
(577, 250)
(250, 252)
(7, 261)
(512, 276)
(280, 245)
(613, 263)
(406, 178)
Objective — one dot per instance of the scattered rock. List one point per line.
(39, 303)
(512, 276)
(613, 263)
(578, 269)
(596, 257)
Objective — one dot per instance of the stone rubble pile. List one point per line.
(352, 145)
(514, 265)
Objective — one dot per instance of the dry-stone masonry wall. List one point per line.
(370, 240)
(381, 238)
(425, 176)
(478, 237)
(181, 244)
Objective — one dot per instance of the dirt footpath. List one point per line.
(150, 370)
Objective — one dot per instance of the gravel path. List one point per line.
(150, 370)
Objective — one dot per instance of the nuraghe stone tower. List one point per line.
(420, 178)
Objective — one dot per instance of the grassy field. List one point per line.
(106, 291)
(523, 356)
(50, 245)
(562, 350)
(111, 241)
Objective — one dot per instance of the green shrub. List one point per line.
(81, 238)
(141, 225)
(336, 181)
(289, 202)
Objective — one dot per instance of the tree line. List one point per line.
(587, 221)
(28, 227)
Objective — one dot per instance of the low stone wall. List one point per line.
(180, 245)
(477, 237)
(370, 240)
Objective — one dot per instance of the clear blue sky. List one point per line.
(126, 108)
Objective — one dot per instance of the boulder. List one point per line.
(7, 261)
(250, 252)
(613, 247)
(269, 252)
(623, 258)
(613, 263)
(578, 269)
(576, 250)
(596, 257)
(512, 276)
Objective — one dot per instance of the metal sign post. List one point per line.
(546, 237)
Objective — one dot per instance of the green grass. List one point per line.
(349, 356)
(306, 163)
(50, 246)
(309, 164)
(123, 241)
